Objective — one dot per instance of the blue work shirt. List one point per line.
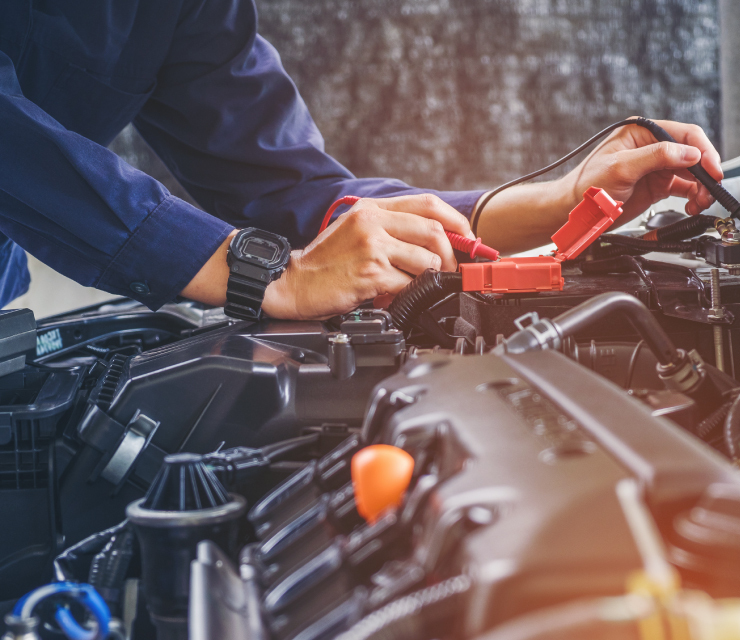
(204, 90)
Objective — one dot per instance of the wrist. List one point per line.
(280, 295)
(567, 192)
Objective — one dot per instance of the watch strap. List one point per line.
(244, 297)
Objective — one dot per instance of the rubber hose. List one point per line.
(605, 304)
(64, 564)
(109, 567)
(712, 421)
(400, 619)
(421, 293)
(683, 229)
(647, 245)
(732, 429)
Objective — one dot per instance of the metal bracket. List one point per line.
(527, 320)
(139, 432)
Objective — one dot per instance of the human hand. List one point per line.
(632, 167)
(374, 249)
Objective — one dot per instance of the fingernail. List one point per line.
(471, 235)
(692, 154)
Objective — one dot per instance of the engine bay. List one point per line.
(499, 465)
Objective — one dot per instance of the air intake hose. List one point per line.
(549, 334)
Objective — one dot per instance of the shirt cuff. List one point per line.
(463, 201)
(164, 253)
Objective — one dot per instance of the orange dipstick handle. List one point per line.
(380, 476)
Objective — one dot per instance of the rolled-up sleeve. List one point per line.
(83, 211)
(232, 127)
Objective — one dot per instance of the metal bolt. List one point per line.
(715, 290)
(340, 338)
(718, 313)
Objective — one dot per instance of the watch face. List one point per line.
(261, 248)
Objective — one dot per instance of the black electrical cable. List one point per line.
(648, 245)
(549, 167)
(715, 188)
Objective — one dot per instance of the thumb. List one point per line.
(639, 162)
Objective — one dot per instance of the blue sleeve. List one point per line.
(80, 209)
(231, 126)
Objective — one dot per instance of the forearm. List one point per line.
(525, 216)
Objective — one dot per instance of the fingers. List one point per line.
(655, 157)
(393, 282)
(420, 232)
(693, 135)
(430, 206)
(411, 258)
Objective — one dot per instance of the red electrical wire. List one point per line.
(345, 200)
(473, 248)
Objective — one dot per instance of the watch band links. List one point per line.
(244, 298)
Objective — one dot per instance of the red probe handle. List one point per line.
(472, 247)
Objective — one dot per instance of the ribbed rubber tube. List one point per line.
(109, 567)
(421, 293)
(681, 230)
(402, 618)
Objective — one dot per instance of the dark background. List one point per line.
(467, 94)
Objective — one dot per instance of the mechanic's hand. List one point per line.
(374, 249)
(632, 167)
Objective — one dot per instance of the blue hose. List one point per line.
(83, 594)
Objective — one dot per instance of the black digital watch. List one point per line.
(255, 258)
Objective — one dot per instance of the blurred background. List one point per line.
(469, 94)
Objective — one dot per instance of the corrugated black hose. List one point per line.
(109, 567)
(419, 615)
(73, 564)
(682, 230)
(421, 293)
(705, 428)
(732, 430)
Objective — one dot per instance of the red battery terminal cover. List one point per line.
(586, 222)
(594, 215)
(513, 275)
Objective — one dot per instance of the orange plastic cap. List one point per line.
(380, 475)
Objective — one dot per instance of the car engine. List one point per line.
(556, 463)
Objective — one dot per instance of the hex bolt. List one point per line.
(718, 313)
